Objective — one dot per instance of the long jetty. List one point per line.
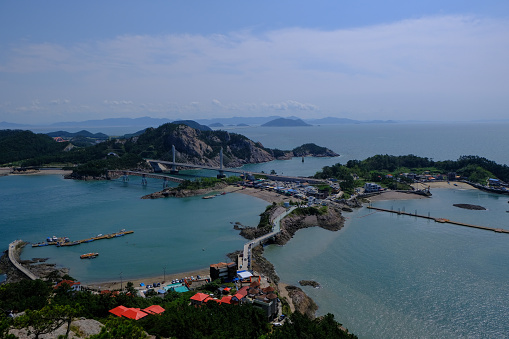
(441, 220)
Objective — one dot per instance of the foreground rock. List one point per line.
(302, 302)
(470, 207)
(82, 328)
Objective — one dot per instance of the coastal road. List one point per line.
(276, 228)
(14, 260)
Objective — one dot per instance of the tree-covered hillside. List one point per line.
(16, 145)
(474, 168)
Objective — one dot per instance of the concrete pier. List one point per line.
(441, 220)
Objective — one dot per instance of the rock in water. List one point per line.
(309, 283)
(470, 207)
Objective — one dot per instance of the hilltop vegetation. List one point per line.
(18, 145)
(47, 308)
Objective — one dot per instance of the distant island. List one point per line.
(216, 124)
(283, 122)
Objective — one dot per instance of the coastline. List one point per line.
(53, 171)
(269, 197)
(116, 285)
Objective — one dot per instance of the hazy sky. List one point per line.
(407, 59)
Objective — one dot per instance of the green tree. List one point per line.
(5, 326)
(120, 328)
(45, 320)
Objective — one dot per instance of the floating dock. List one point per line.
(63, 241)
(441, 220)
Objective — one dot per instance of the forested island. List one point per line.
(192, 143)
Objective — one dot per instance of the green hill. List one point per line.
(17, 145)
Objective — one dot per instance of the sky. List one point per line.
(365, 59)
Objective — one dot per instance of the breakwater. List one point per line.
(441, 220)
(14, 249)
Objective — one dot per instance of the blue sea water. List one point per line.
(181, 234)
(391, 276)
(382, 276)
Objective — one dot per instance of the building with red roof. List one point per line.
(118, 311)
(199, 298)
(154, 309)
(134, 313)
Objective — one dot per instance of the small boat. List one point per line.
(89, 255)
(69, 243)
(208, 197)
(40, 244)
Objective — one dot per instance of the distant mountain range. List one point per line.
(121, 126)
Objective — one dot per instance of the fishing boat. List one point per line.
(77, 242)
(89, 255)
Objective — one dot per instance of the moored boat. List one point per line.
(89, 255)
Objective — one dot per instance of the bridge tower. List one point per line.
(221, 172)
(143, 180)
(173, 166)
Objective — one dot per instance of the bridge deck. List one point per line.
(118, 173)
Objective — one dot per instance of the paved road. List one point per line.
(276, 228)
(12, 258)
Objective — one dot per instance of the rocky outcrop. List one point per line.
(470, 207)
(309, 283)
(332, 221)
(202, 147)
(182, 193)
(302, 302)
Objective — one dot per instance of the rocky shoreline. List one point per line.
(37, 266)
(176, 192)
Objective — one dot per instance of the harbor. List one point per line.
(64, 241)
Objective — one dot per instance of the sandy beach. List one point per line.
(395, 195)
(52, 171)
(444, 184)
(115, 285)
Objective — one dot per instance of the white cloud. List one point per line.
(453, 64)
(59, 101)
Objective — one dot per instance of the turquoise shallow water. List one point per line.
(390, 276)
(181, 234)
